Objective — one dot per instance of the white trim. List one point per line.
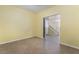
(16, 40)
(69, 45)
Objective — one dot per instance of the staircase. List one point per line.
(52, 31)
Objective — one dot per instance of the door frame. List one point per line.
(44, 27)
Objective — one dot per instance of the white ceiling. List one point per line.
(35, 8)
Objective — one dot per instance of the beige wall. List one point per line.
(69, 23)
(15, 23)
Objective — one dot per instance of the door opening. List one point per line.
(51, 25)
(51, 31)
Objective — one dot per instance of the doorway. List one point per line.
(51, 32)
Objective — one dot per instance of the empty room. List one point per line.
(39, 29)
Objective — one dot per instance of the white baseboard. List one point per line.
(69, 45)
(13, 40)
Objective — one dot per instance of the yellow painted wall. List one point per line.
(69, 23)
(16, 23)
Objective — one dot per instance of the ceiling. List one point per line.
(35, 8)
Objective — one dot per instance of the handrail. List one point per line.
(52, 29)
